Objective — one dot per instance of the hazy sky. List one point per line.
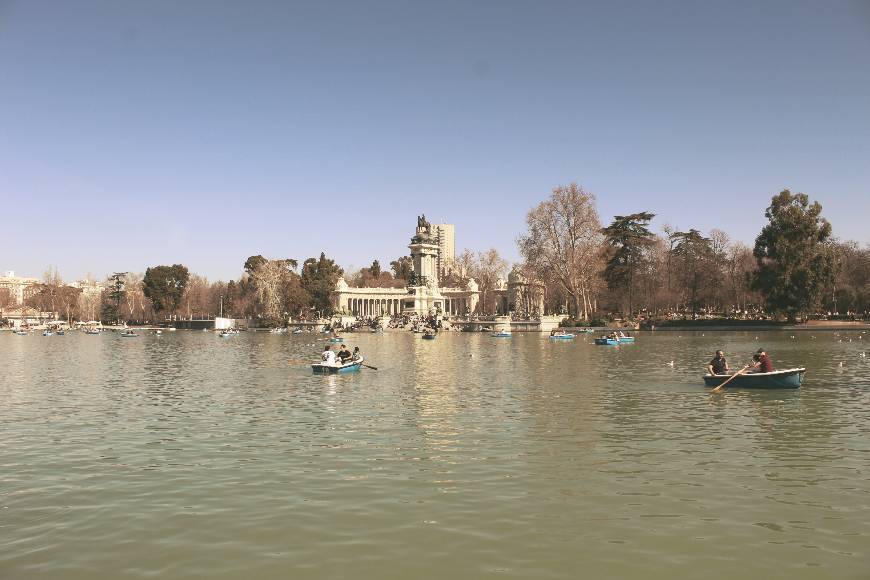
(138, 133)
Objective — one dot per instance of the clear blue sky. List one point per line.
(141, 133)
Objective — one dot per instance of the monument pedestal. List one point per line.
(426, 301)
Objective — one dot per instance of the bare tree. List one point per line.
(740, 264)
(564, 243)
(89, 305)
(487, 269)
(134, 296)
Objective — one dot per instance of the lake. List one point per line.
(185, 455)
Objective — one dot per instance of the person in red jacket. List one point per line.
(761, 362)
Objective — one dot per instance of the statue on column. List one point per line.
(422, 224)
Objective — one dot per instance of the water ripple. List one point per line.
(186, 456)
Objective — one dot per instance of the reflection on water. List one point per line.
(183, 455)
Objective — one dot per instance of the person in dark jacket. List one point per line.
(719, 365)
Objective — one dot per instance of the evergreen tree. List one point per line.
(631, 238)
(164, 286)
(402, 268)
(111, 310)
(795, 258)
(695, 253)
(318, 280)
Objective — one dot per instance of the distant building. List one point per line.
(18, 288)
(89, 287)
(445, 237)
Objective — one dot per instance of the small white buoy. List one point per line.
(671, 364)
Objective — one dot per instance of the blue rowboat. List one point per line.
(501, 334)
(348, 367)
(129, 335)
(47, 333)
(562, 336)
(613, 341)
(784, 379)
(429, 336)
(297, 331)
(336, 339)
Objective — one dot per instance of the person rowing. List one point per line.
(343, 354)
(761, 363)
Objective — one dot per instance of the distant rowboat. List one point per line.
(614, 341)
(348, 367)
(502, 334)
(562, 336)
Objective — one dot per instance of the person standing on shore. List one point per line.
(719, 365)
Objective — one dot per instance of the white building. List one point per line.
(88, 287)
(17, 288)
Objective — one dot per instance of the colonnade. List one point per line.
(456, 306)
(373, 306)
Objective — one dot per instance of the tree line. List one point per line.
(590, 271)
(796, 268)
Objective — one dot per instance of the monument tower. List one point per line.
(424, 296)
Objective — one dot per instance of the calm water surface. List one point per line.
(190, 456)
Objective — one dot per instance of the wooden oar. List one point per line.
(369, 366)
(734, 376)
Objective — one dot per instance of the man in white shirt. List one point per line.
(327, 356)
